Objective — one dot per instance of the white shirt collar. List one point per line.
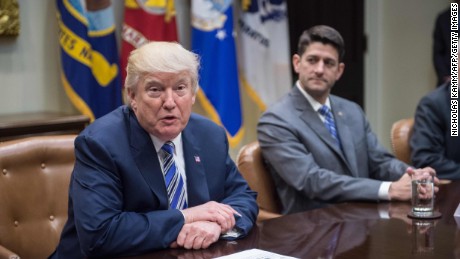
(315, 104)
(158, 143)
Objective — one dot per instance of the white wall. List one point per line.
(29, 70)
(398, 66)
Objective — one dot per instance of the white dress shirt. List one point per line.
(178, 157)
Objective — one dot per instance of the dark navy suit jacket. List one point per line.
(431, 141)
(118, 203)
(441, 46)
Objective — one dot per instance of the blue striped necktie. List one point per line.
(173, 179)
(329, 123)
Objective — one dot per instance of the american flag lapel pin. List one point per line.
(197, 159)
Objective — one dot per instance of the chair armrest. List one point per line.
(265, 214)
(7, 254)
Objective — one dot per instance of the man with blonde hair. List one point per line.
(152, 175)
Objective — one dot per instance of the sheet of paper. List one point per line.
(255, 254)
(457, 216)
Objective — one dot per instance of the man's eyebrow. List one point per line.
(182, 80)
(149, 81)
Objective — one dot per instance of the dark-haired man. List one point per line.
(320, 147)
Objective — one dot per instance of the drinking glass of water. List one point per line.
(422, 194)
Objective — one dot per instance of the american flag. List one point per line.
(197, 159)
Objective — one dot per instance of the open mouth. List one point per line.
(169, 119)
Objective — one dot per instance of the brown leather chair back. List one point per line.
(252, 167)
(401, 132)
(34, 183)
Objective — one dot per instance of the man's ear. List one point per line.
(131, 94)
(340, 70)
(296, 62)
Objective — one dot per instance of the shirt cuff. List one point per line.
(384, 190)
(182, 215)
(232, 233)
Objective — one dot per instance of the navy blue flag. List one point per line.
(89, 57)
(212, 39)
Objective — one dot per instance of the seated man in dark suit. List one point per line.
(320, 147)
(441, 46)
(152, 175)
(431, 142)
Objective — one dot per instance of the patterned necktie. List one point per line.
(173, 179)
(329, 122)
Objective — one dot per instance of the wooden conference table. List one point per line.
(349, 230)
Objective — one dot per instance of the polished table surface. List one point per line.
(349, 230)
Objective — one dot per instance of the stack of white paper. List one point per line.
(255, 254)
(457, 215)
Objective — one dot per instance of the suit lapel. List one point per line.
(310, 117)
(197, 189)
(345, 135)
(146, 159)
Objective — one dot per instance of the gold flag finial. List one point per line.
(9, 17)
(245, 4)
